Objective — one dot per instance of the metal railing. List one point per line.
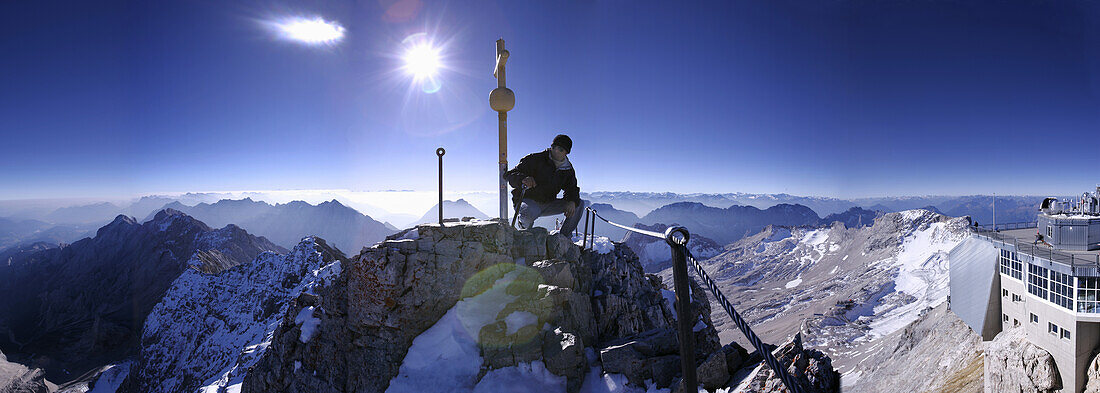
(1040, 250)
(1008, 226)
(677, 238)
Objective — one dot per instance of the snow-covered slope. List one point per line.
(842, 287)
(209, 328)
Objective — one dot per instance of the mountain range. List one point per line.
(286, 224)
(1010, 208)
(70, 309)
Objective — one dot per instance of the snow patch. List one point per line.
(670, 297)
(446, 357)
(815, 237)
(412, 234)
(518, 319)
(600, 244)
(522, 378)
(795, 282)
(308, 323)
(110, 379)
(923, 272)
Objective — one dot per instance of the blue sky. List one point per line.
(837, 98)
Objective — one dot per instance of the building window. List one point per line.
(1065, 334)
(1088, 294)
(1005, 317)
(1017, 268)
(1052, 328)
(1011, 265)
(1061, 289)
(1050, 232)
(1037, 281)
(1004, 292)
(1016, 298)
(1015, 322)
(1034, 318)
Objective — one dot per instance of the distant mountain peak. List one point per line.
(122, 223)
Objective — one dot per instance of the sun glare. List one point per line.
(311, 31)
(422, 61)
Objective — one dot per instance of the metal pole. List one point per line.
(440, 152)
(502, 100)
(677, 238)
(502, 131)
(584, 242)
(593, 231)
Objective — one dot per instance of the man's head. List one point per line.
(561, 147)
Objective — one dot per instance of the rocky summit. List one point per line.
(477, 306)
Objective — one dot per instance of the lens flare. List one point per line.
(504, 305)
(312, 31)
(423, 61)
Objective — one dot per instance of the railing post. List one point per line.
(677, 238)
(440, 152)
(584, 243)
(593, 226)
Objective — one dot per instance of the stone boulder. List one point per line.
(1012, 364)
(810, 368)
(1093, 375)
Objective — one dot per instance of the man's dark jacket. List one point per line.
(548, 179)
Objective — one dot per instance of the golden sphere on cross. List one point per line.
(502, 99)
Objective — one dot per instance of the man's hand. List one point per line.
(529, 182)
(570, 208)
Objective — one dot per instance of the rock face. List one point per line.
(1012, 364)
(1093, 375)
(810, 368)
(856, 217)
(16, 378)
(472, 306)
(387, 295)
(210, 327)
(935, 353)
(82, 305)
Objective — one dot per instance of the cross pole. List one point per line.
(502, 100)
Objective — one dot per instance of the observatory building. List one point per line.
(1042, 276)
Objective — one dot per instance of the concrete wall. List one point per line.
(974, 286)
(1070, 355)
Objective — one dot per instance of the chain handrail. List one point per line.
(681, 254)
(769, 358)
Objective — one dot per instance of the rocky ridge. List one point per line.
(476, 305)
(78, 307)
(211, 327)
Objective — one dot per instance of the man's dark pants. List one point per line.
(530, 209)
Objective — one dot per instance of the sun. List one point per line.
(422, 61)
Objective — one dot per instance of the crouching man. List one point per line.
(544, 174)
